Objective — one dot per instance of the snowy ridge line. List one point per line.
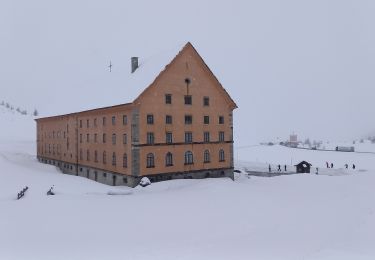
(325, 150)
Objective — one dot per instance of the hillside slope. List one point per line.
(289, 217)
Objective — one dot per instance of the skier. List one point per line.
(269, 167)
(353, 166)
(285, 167)
(279, 168)
(331, 165)
(346, 165)
(327, 164)
(317, 170)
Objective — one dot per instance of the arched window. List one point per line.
(114, 159)
(206, 156)
(221, 155)
(125, 161)
(150, 160)
(169, 159)
(104, 157)
(189, 157)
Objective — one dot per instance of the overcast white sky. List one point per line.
(291, 66)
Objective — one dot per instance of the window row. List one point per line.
(188, 158)
(104, 157)
(188, 137)
(188, 100)
(188, 119)
(103, 121)
(103, 138)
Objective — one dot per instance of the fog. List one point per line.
(291, 66)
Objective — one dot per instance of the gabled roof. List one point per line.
(118, 87)
(157, 74)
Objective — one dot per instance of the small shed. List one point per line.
(303, 167)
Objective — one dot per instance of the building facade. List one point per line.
(180, 126)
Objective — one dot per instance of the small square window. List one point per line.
(168, 119)
(206, 101)
(168, 99)
(150, 119)
(188, 119)
(206, 120)
(188, 100)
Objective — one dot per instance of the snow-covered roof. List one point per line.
(102, 88)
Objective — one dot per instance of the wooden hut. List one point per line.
(303, 167)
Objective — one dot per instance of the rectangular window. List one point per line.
(188, 119)
(113, 138)
(168, 99)
(188, 137)
(113, 120)
(168, 119)
(95, 138)
(221, 120)
(150, 138)
(80, 123)
(124, 120)
(188, 100)
(124, 138)
(104, 121)
(168, 137)
(104, 138)
(221, 136)
(206, 136)
(88, 123)
(206, 120)
(150, 119)
(95, 122)
(87, 137)
(80, 138)
(206, 101)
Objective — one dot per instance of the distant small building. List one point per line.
(292, 142)
(345, 148)
(303, 167)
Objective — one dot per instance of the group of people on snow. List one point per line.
(278, 168)
(346, 165)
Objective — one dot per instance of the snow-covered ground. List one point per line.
(303, 216)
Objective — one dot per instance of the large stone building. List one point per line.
(179, 126)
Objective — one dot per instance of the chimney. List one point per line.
(134, 63)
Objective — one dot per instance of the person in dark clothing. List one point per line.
(327, 164)
(346, 165)
(269, 167)
(285, 167)
(331, 165)
(317, 169)
(279, 168)
(353, 166)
